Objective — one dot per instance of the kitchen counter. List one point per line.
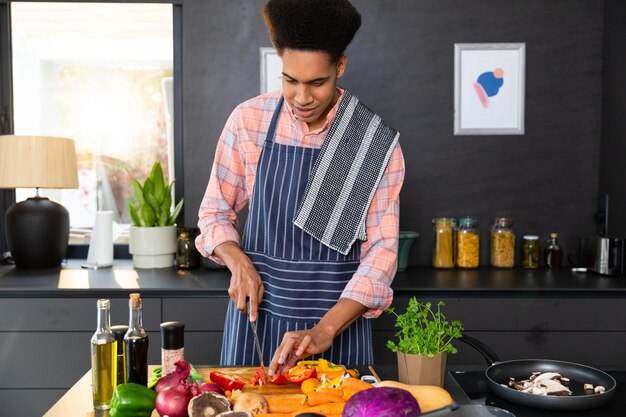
(71, 280)
(518, 313)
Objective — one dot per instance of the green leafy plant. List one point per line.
(153, 201)
(424, 331)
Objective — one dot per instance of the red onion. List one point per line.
(173, 402)
(173, 379)
(210, 387)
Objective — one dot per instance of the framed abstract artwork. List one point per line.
(271, 70)
(489, 87)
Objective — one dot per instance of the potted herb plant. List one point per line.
(152, 240)
(424, 340)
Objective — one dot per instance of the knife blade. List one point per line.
(256, 340)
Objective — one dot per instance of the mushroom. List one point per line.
(252, 402)
(235, 414)
(547, 375)
(548, 383)
(599, 389)
(558, 390)
(208, 404)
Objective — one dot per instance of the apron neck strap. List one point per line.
(270, 132)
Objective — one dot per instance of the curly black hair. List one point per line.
(311, 25)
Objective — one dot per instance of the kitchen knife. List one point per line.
(256, 340)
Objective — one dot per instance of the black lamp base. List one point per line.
(37, 231)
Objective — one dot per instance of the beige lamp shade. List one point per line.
(37, 162)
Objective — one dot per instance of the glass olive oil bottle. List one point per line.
(103, 358)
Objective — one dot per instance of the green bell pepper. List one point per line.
(132, 400)
(156, 374)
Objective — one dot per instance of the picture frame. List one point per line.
(489, 88)
(271, 70)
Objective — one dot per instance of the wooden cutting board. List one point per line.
(289, 389)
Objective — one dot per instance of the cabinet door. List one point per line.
(204, 326)
(35, 360)
(69, 314)
(28, 403)
(198, 314)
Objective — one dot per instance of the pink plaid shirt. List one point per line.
(232, 182)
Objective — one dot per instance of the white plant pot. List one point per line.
(152, 247)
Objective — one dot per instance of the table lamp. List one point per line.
(37, 229)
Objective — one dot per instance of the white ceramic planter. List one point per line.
(152, 247)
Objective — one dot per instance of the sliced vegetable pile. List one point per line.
(328, 390)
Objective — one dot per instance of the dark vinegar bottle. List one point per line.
(136, 345)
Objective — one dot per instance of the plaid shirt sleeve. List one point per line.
(225, 194)
(371, 283)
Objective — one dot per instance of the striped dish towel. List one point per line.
(345, 176)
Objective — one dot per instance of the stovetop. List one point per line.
(474, 385)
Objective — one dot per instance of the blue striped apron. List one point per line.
(303, 279)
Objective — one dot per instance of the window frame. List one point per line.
(7, 197)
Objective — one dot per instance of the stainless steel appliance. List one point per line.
(603, 255)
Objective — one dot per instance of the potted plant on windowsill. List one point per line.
(424, 340)
(152, 239)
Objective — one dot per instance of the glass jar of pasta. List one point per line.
(443, 245)
(502, 243)
(468, 243)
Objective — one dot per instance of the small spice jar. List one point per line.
(443, 244)
(119, 331)
(502, 243)
(530, 252)
(172, 345)
(468, 243)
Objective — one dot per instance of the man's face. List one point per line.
(309, 84)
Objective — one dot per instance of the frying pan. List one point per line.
(500, 372)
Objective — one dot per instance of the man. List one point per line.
(322, 175)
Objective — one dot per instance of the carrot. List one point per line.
(285, 404)
(328, 390)
(356, 384)
(318, 398)
(349, 392)
(324, 409)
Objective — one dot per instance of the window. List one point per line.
(101, 74)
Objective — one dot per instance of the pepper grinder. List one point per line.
(172, 345)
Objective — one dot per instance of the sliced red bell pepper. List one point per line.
(299, 373)
(258, 378)
(279, 379)
(227, 382)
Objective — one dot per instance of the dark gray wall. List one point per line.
(401, 64)
(613, 150)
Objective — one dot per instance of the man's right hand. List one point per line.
(245, 281)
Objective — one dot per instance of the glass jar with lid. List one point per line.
(443, 244)
(530, 252)
(187, 256)
(468, 243)
(502, 243)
